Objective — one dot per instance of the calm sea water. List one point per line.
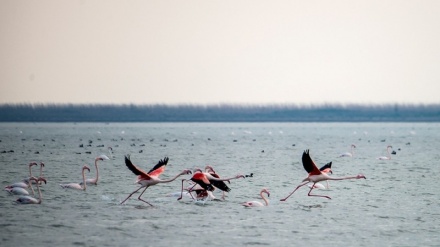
(397, 205)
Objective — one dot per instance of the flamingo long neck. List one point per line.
(39, 193)
(97, 171)
(352, 150)
(342, 178)
(388, 152)
(219, 179)
(32, 188)
(84, 179)
(30, 170)
(264, 198)
(171, 179)
(41, 170)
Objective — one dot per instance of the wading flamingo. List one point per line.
(147, 179)
(388, 157)
(316, 175)
(29, 199)
(77, 186)
(205, 180)
(257, 203)
(349, 154)
(95, 180)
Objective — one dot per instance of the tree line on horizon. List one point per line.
(218, 113)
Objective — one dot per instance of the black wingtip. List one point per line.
(163, 161)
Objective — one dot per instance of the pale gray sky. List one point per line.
(209, 52)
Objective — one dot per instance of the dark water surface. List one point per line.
(397, 205)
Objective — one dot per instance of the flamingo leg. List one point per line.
(190, 190)
(139, 198)
(223, 195)
(316, 195)
(299, 186)
(131, 194)
(181, 192)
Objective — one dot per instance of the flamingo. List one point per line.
(327, 168)
(218, 184)
(147, 179)
(388, 157)
(29, 199)
(349, 154)
(77, 186)
(26, 180)
(18, 191)
(17, 184)
(201, 193)
(95, 180)
(257, 203)
(316, 175)
(205, 180)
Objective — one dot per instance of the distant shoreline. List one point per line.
(219, 113)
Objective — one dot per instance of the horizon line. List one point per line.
(300, 105)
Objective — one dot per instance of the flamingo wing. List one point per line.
(203, 181)
(309, 165)
(219, 184)
(136, 170)
(159, 167)
(326, 168)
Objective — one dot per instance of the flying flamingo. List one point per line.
(77, 186)
(257, 203)
(95, 180)
(29, 199)
(348, 154)
(327, 168)
(205, 180)
(147, 179)
(388, 157)
(218, 184)
(201, 193)
(316, 175)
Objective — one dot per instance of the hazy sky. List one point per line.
(209, 52)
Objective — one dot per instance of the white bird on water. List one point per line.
(388, 157)
(349, 154)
